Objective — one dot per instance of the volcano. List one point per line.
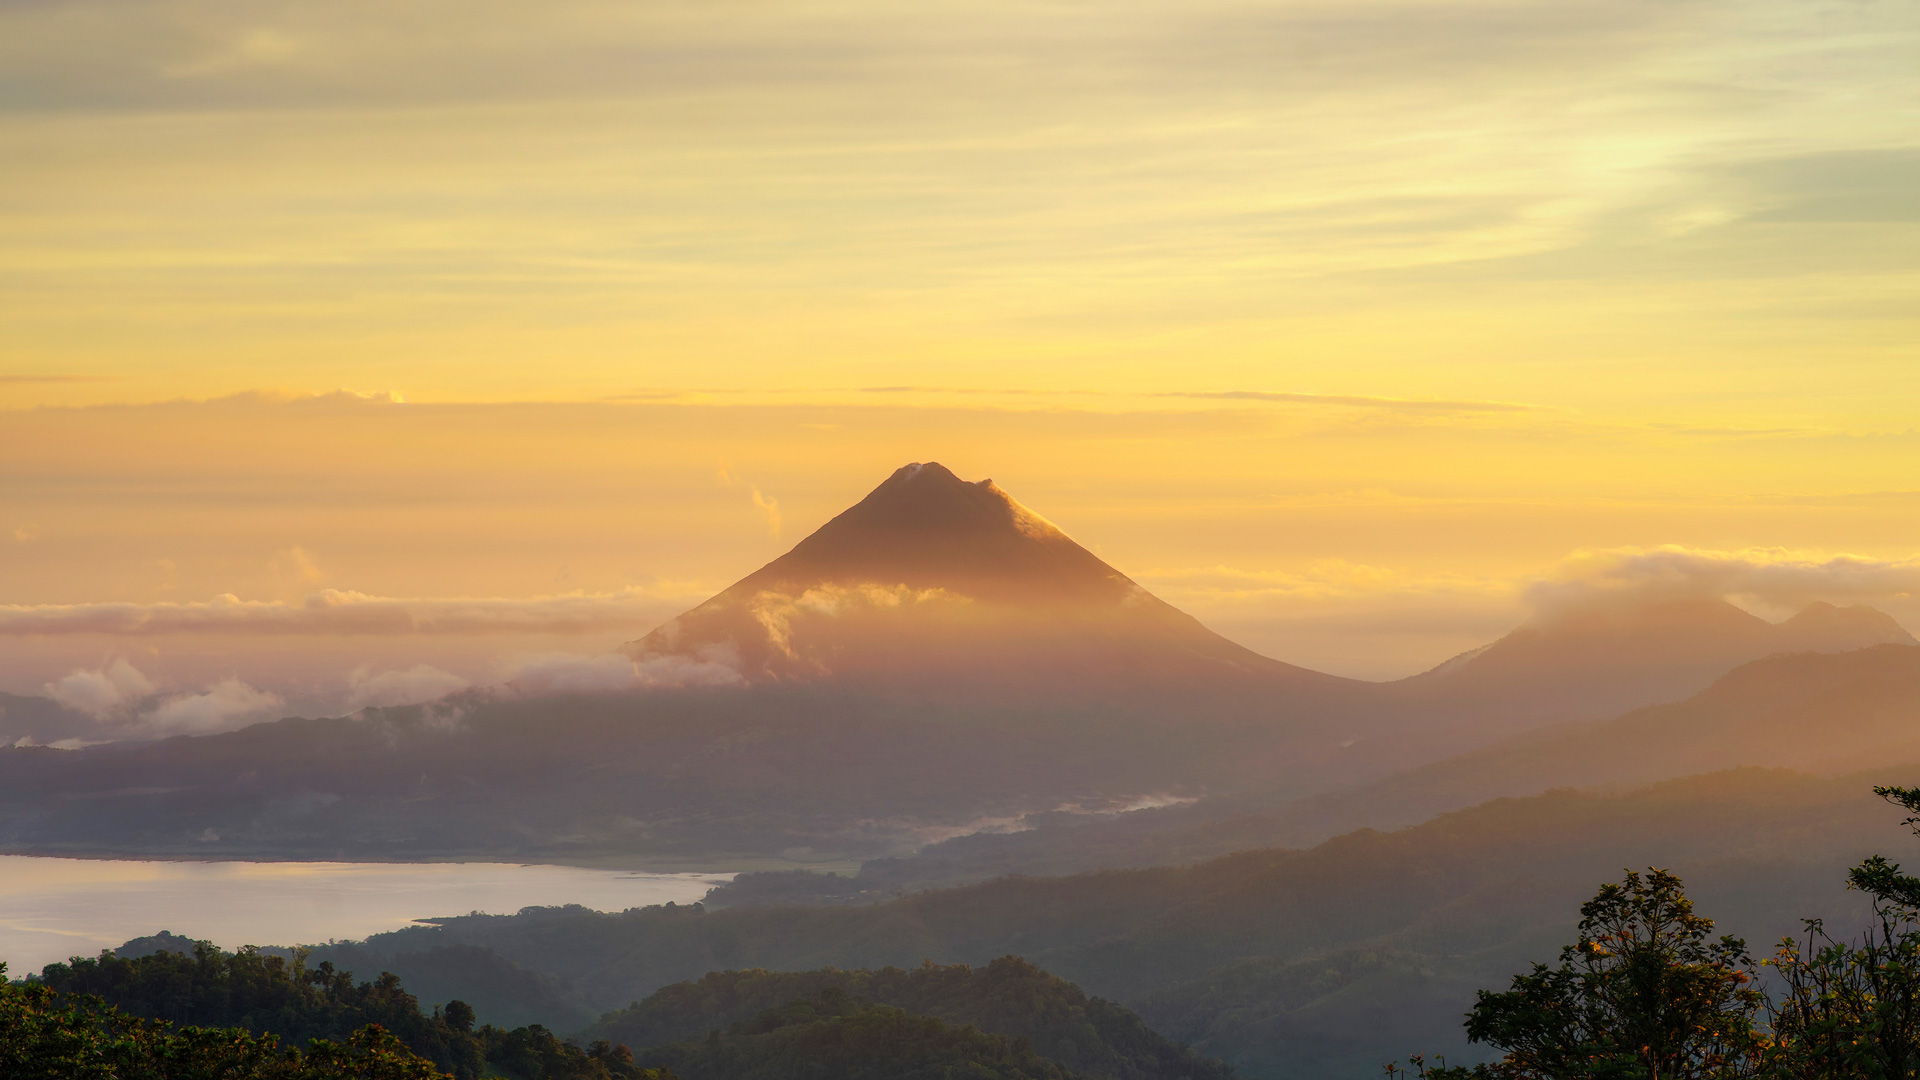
(934, 581)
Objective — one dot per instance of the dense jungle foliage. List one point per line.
(47, 1035)
(273, 997)
(1645, 993)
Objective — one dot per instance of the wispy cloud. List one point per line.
(336, 611)
(1354, 400)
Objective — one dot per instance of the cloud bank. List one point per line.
(228, 704)
(413, 686)
(337, 611)
(100, 694)
(124, 701)
(1777, 576)
(572, 673)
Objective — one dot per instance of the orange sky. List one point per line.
(1336, 324)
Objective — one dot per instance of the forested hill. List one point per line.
(1008, 1021)
(1008, 997)
(267, 995)
(834, 1035)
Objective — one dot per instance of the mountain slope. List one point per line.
(1603, 658)
(934, 580)
(1008, 996)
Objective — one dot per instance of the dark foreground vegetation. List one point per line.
(263, 1000)
(1646, 992)
(168, 1015)
(46, 1035)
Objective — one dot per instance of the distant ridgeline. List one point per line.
(1007, 1021)
(937, 656)
(1316, 964)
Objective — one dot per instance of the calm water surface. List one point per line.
(51, 909)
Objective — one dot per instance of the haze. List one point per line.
(1224, 522)
(1337, 325)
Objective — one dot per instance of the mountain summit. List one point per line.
(925, 528)
(932, 578)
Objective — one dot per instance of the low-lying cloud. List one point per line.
(339, 611)
(1775, 576)
(111, 690)
(573, 673)
(125, 702)
(226, 705)
(414, 686)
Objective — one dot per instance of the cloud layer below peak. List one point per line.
(337, 611)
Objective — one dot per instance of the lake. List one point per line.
(51, 909)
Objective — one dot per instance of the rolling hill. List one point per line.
(1311, 964)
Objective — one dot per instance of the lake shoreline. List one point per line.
(634, 864)
(53, 908)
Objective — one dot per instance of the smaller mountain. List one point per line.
(831, 1034)
(1008, 998)
(1822, 712)
(1827, 628)
(1604, 658)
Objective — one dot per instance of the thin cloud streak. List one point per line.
(1407, 404)
(336, 611)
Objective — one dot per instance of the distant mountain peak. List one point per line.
(928, 497)
(1824, 627)
(932, 573)
(924, 527)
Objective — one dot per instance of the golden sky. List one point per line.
(1336, 323)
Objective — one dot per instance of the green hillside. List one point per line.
(832, 1035)
(1008, 997)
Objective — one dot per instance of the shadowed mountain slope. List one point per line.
(1302, 964)
(1009, 997)
(1824, 713)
